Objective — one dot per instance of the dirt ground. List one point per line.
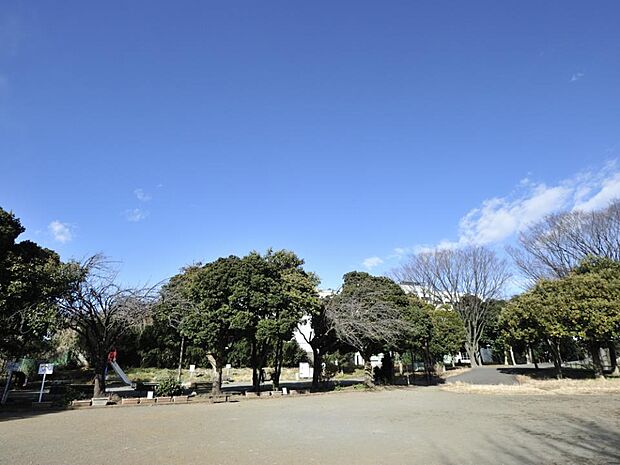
(402, 426)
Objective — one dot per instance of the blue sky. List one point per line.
(353, 132)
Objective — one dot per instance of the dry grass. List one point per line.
(455, 372)
(528, 386)
(236, 375)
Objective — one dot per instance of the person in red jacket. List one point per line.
(111, 358)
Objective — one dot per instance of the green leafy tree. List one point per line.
(31, 280)
(590, 296)
(537, 316)
(448, 332)
(419, 333)
(295, 294)
(492, 332)
(321, 337)
(211, 320)
(585, 305)
(276, 293)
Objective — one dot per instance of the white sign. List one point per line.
(228, 366)
(192, 368)
(305, 370)
(46, 368)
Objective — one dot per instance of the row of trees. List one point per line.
(257, 299)
(373, 315)
(246, 308)
(573, 262)
(249, 306)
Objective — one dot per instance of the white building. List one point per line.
(304, 332)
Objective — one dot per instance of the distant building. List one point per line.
(424, 293)
(304, 333)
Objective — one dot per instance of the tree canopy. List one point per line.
(32, 278)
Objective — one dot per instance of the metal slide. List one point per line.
(121, 373)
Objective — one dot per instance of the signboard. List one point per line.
(305, 370)
(12, 366)
(192, 368)
(46, 368)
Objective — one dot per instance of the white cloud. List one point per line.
(60, 231)
(499, 218)
(609, 190)
(372, 262)
(136, 214)
(141, 195)
(576, 77)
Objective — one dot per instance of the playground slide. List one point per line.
(121, 373)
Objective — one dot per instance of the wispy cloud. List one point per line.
(372, 262)
(499, 218)
(61, 232)
(141, 195)
(576, 77)
(136, 214)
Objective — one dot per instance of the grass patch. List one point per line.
(528, 386)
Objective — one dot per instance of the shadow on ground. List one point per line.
(576, 441)
(547, 373)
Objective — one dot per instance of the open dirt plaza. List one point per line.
(399, 426)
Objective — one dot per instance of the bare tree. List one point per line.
(368, 315)
(100, 311)
(317, 330)
(468, 279)
(555, 245)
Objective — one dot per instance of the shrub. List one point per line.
(168, 387)
(71, 393)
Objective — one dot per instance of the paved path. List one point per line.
(497, 374)
(422, 425)
(493, 374)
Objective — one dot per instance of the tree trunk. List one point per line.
(528, 355)
(180, 359)
(99, 384)
(216, 383)
(427, 363)
(387, 364)
(369, 376)
(216, 388)
(613, 358)
(557, 358)
(597, 364)
(255, 372)
(317, 367)
(512, 356)
(278, 366)
(471, 351)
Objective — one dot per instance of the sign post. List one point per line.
(10, 368)
(45, 369)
